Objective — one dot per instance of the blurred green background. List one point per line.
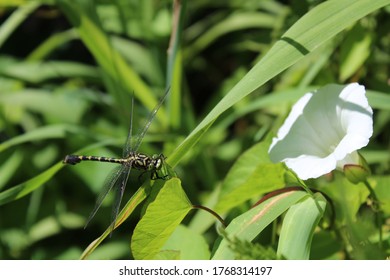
(66, 84)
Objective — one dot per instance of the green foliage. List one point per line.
(68, 72)
(248, 225)
(161, 218)
(298, 227)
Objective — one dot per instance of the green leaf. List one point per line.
(65, 106)
(16, 19)
(354, 51)
(140, 57)
(234, 22)
(9, 167)
(161, 218)
(326, 246)
(188, 244)
(42, 133)
(250, 224)
(38, 72)
(381, 187)
(347, 197)
(298, 227)
(378, 100)
(252, 175)
(307, 34)
(113, 250)
(25, 188)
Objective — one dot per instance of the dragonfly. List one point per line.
(131, 158)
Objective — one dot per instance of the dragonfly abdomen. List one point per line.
(74, 159)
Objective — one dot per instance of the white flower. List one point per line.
(324, 131)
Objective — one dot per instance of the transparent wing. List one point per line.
(152, 114)
(128, 145)
(109, 183)
(120, 189)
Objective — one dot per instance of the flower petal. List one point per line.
(323, 130)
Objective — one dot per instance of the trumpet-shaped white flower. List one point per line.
(324, 130)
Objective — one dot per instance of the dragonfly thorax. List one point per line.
(144, 162)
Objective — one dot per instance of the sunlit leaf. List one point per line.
(298, 227)
(161, 218)
(251, 176)
(188, 244)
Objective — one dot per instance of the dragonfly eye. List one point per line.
(157, 163)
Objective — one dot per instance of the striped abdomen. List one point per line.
(74, 159)
(136, 160)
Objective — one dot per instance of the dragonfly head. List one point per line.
(158, 161)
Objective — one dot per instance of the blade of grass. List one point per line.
(298, 227)
(16, 19)
(25, 188)
(42, 133)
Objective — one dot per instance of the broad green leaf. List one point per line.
(161, 218)
(307, 34)
(252, 175)
(167, 255)
(250, 224)
(298, 227)
(188, 244)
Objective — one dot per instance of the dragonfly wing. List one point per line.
(128, 145)
(141, 135)
(120, 186)
(111, 180)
